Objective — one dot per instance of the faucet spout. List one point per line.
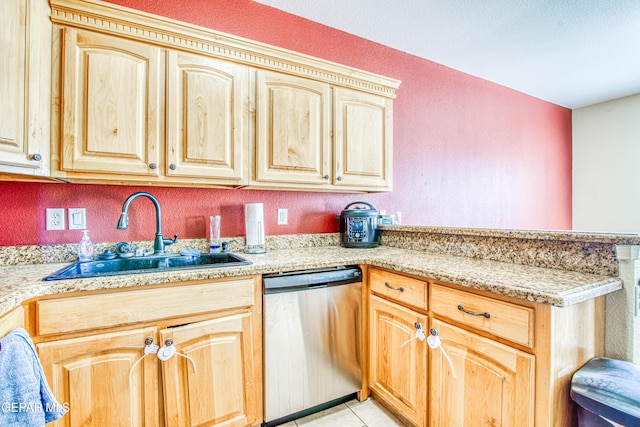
(123, 223)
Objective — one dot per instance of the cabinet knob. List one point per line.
(339, 178)
(172, 167)
(168, 342)
(148, 341)
(152, 166)
(326, 177)
(37, 157)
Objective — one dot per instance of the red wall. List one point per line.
(467, 152)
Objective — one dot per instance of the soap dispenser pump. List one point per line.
(85, 248)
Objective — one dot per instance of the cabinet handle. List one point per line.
(36, 156)
(152, 166)
(401, 289)
(473, 313)
(172, 167)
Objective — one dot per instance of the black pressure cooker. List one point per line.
(359, 226)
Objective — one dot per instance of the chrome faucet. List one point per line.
(123, 223)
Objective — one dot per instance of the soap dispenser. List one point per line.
(85, 248)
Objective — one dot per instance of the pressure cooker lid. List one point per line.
(359, 209)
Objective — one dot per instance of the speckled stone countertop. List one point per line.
(543, 285)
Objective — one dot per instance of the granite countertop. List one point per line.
(542, 285)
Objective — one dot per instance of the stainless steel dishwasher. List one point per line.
(312, 341)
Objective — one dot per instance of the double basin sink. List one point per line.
(147, 264)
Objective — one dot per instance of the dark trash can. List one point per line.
(607, 390)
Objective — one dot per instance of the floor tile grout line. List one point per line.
(354, 413)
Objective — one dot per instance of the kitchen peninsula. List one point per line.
(545, 292)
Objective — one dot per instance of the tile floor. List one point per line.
(351, 414)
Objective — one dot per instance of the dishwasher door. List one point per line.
(312, 333)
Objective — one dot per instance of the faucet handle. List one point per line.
(170, 241)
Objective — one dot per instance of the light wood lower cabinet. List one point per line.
(217, 383)
(398, 361)
(512, 360)
(96, 376)
(11, 320)
(490, 384)
(107, 379)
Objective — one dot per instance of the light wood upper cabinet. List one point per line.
(363, 137)
(216, 383)
(112, 105)
(25, 80)
(95, 375)
(300, 145)
(491, 383)
(144, 99)
(293, 131)
(207, 124)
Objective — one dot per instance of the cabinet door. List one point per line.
(112, 105)
(398, 362)
(25, 79)
(207, 132)
(293, 131)
(363, 140)
(493, 383)
(220, 381)
(96, 376)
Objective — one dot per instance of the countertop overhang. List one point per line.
(555, 287)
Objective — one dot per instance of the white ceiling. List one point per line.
(569, 52)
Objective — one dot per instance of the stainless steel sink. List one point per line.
(148, 264)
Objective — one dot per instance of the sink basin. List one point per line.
(150, 264)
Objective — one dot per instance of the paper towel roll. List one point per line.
(254, 222)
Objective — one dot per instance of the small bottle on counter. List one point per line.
(85, 248)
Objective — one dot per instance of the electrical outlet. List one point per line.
(283, 216)
(77, 219)
(55, 218)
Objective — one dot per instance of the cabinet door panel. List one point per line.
(25, 37)
(220, 387)
(13, 39)
(493, 384)
(363, 140)
(207, 125)
(398, 371)
(112, 104)
(293, 130)
(92, 375)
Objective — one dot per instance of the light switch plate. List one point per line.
(77, 219)
(55, 218)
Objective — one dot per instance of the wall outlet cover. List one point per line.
(283, 216)
(55, 218)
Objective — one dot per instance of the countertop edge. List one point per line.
(491, 276)
(543, 235)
